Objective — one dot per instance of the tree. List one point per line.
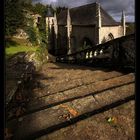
(130, 29)
(14, 17)
(39, 9)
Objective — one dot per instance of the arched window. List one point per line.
(108, 38)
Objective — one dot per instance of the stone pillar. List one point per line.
(56, 32)
(47, 30)
(99, 16)
(123, 23)
(69, 29)
(98, 22)
(55, 25)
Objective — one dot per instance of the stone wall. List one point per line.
(116, 31)
(128, 53)
(62, 44)
(81, 32)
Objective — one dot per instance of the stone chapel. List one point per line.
(82, 27)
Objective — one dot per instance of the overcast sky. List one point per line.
(113, 7)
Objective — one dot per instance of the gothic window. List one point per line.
(108, 38)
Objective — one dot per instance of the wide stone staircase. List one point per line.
(61, 96)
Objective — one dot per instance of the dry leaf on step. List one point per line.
(71, 110)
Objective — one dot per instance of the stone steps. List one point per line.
(71, 81)
(78, 92)
(79, 102)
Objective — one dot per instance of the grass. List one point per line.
(14, 46)
(13, 50)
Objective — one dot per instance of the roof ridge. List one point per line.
(86, 14)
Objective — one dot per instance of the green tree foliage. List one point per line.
(19, 14)
(130, 28)
(14, 17)
(39, 9)
(27, 4)
(32, 35)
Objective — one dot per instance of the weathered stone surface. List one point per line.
(79, 92)
(56, 76)
(103, 91)
(43, 120)
(97, 128)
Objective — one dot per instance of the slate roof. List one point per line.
(85, 15)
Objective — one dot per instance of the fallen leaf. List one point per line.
(71, 110)
(109, 119)
(112, 120)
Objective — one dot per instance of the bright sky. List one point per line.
(113, 7)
